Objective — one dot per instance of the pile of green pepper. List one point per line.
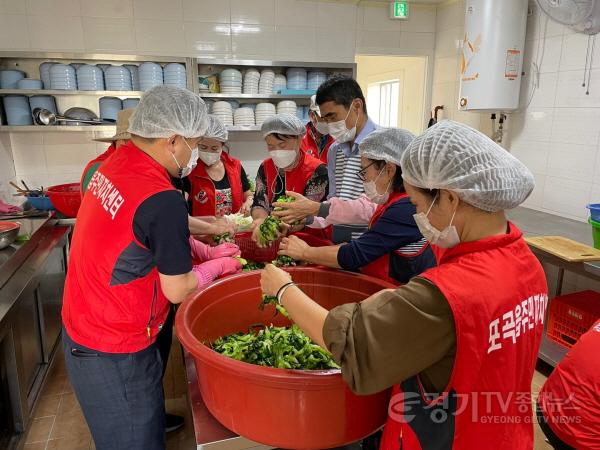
(280, 347)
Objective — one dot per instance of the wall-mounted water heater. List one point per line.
(492, 55)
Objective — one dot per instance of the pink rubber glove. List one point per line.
(207, 272)
(203, 252)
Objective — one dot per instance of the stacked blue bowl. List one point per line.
(296, 78)
(174, 75)
(90, 78)
(315, 79)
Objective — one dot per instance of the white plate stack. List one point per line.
(315, 79)
(280, 82)
(263, 112)
(267, 80)
(251, 81)
(151, 74)
(62, 76)
(243, 117)
(174, 75)
(287, 107)
(223, 111)
(118, 78)
(230, 81)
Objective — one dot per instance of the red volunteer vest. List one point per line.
(100, 158)
(99, 311)
(311, 147)
(203, 187)
(571, 395)
(380, 268)
(296, 181)
(498, 294)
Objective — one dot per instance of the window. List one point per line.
(383, 102)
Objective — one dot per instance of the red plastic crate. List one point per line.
(572, 315)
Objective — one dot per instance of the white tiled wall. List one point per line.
(303, 30)
(269, 29)
(557, 131)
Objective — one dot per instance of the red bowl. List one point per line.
(250, 249)
(277, 407)
(66, 198)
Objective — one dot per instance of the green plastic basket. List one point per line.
(595, 232)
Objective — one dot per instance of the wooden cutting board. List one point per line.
(564, 248)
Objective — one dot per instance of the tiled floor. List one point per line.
(59, 423)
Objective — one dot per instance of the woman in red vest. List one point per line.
(218, 184)
(393, 248)
(287, 169)
(567, 407)
(457, 344)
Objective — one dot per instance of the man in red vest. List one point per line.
(567, 407)
(130, 258)
(316, 141)
(121, 137)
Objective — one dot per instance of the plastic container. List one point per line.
(250, 250)
(572, 315)
(594, 211)
(595, 232)
(277, 407)
(41, 203)
(66, 198)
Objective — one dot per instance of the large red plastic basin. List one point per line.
(281, 408)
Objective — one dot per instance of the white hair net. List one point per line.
(313, 105)
(386, 144)
(167, 110)
(453, 156)
(216, 129)
(283, 124)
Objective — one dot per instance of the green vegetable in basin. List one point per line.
(279, 347)
(284, 261)
(269, 230)
(252, 265)
(222, 238)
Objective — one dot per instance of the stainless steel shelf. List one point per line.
(268, 63)
(50, 128)
(28, 92)
(94, 57)
(254, 128)
(550, 351)
(256, 96)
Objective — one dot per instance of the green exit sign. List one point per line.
(399, 10)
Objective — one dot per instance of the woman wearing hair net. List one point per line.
(130, 260)
(287, 169)
(219, 184)
(393, 248)
(459, 342)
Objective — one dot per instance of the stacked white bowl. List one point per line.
(251, 80)
(151, 74)
(263, 112)
(118, 78)
(135, 76)
(315, 79)
(209, 105)
(243, 117)
(90, 78)
(223, 111)
(104, 66)
(267, 80)
(280, 82)
(62, 76)
(230, 81)
(296, 78)
(174, 75)
(286, 107)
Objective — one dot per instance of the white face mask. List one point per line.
(447, 238)
(373, 194)
(283, 158)
(210, 158)
(185, 171)
(340, 132)
(321, 127)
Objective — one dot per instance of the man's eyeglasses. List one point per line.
(361, 173)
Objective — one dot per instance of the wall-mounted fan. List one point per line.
(582, 16)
